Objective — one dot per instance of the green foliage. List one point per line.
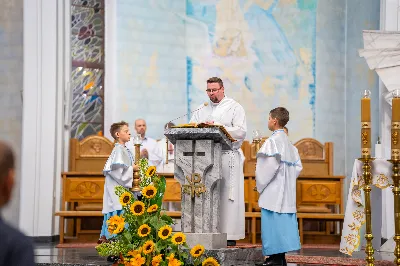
(144, 234)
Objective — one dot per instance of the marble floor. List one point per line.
(48, 254)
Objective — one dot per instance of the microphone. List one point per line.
(204, 105)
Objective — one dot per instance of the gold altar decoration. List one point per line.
(204, 125)
(195, 187)
(367, 176)
(395, 160)
(137, 142)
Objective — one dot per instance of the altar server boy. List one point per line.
(278, 166)
(118, 171)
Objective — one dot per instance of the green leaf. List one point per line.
(184, 255)
(160, 192)
(167, 219)
(185, 245)
(160, 245)
(127, 235)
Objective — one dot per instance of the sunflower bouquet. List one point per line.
(143, 234)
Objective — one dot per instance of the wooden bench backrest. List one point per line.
(317, 159)
(89, 154)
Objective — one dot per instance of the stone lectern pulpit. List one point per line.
(198, 169)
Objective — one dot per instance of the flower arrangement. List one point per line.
(143, 235)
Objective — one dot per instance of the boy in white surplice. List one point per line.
(118, 171)
(278, 166)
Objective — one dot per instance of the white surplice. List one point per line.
(278, 166)
(231, 115)
(118, 171)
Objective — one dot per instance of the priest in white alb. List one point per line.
(227, 112)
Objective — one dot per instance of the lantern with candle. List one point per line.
(137, 142)
(366, 124)
(367, 175)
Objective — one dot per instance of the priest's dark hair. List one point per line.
(7, 160)
(280, 114)
(116, 127)
(216, 80)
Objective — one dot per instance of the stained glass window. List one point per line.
(87, 76)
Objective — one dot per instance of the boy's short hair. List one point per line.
(116, 127)
(7, 160)
(280, 114)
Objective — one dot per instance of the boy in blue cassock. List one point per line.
(278, 166)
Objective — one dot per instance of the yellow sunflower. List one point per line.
(197, 251)
(148, 247)
(125, 198)
(149, 192)
(138, 260)
(178, 238)
(210, 262)
(116, 219)
(151, 171)
(165, 232)
(119, 228)
(144, 230)
(115, 224)
(152, 208)
(156, 260)
(172, 261)
(137, 208)
(135, 252)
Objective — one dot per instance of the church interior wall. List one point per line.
(342, 76)
(160, 75)
(359, 77)
(11, 60)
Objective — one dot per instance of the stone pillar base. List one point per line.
(208, 240)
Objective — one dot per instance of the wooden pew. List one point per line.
(87, 188)
(82, 186)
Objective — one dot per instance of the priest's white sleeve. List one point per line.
(266, 169)
(123, 176)
(238, 128)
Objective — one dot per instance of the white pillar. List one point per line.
(110, 68)
(45, 64)
(390, 21)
